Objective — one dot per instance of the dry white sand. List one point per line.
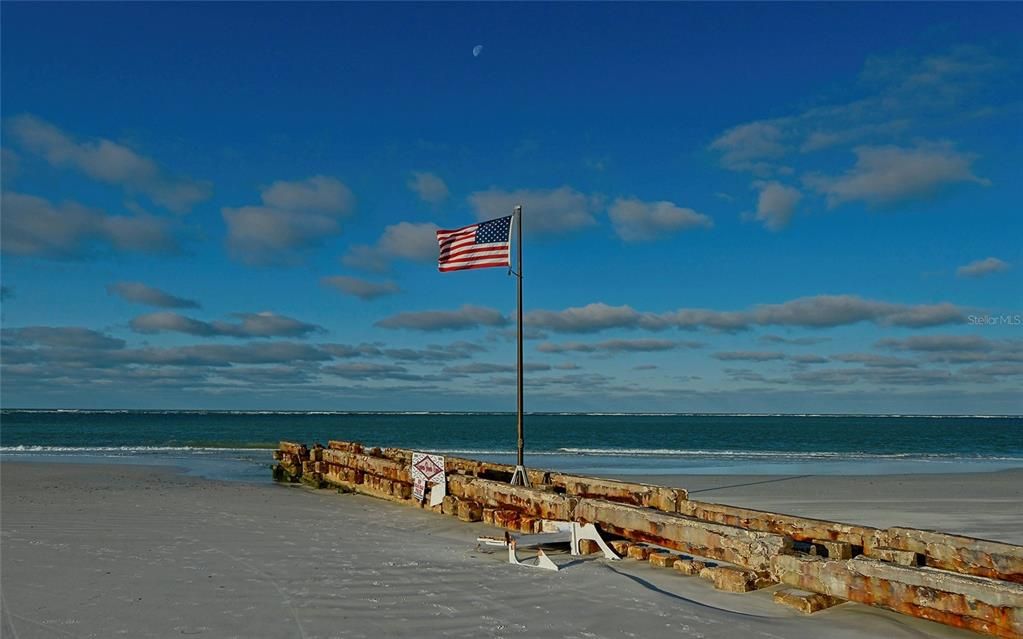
(107, 551)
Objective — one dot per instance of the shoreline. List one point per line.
(249, 464)
(96, 550)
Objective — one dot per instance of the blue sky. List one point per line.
(728, 207)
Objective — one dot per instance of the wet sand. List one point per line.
(106, 551)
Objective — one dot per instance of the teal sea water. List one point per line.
(237, 444)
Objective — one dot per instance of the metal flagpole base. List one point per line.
(520, 477)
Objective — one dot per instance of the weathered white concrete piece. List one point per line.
(648, 495)
(978, 603)
(730, 578)
(803, 601)
(798, 528)
(957, 553)
(533, 502)
(748, 548)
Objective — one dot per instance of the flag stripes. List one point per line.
(483, 245)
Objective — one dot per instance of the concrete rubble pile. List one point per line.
(954, 580)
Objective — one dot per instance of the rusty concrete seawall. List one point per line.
(959, 581)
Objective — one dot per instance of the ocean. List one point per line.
(236, 445)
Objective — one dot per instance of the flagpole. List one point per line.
(520, 477)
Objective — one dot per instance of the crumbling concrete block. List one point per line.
(797, 528)
(957, 553)
(379, 466)
(535, 503)
(588, 547)
(292, 448)
(507, 518)
(621, 547)
(803, 601)
(662, 559)
(348, 447)
(469, 510)
(689, 567)
(833, 549)
(980, 604)
(640, 552)
(750, 549)
(647, 495)
(901, 557)
(730, 578)
(529, 525)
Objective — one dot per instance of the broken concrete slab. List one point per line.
(901, 557)
(648, 495)
(528, 501)
(469, 510)
(981, 604)
(730, 578)
(640, 552)
(747, 548)
(833, 549)
(663, 559)
(958, 553)
(804, 601)
(689, 567)
(620, 546)
(798, 528)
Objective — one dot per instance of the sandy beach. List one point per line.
(104, 551)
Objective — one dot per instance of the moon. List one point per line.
(476, 50)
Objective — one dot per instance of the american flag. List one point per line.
(475, 246)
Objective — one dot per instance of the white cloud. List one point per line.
(318, 194)
(891, 174)
(749, 356)
(820, 139)
(70, 337)
(980, 268)
(819, 311)
(410, 241)
(745, 147)
(616, 346)
(428, 187)
(775, 204)
(638, 221)
(588, 319)
(895, 97)
(265, 324)
(108, 162)
(468, 316)
(544, 212)
(416, 242)
(363, 289)
(142, 294)
(34, 226)
(294, 216)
